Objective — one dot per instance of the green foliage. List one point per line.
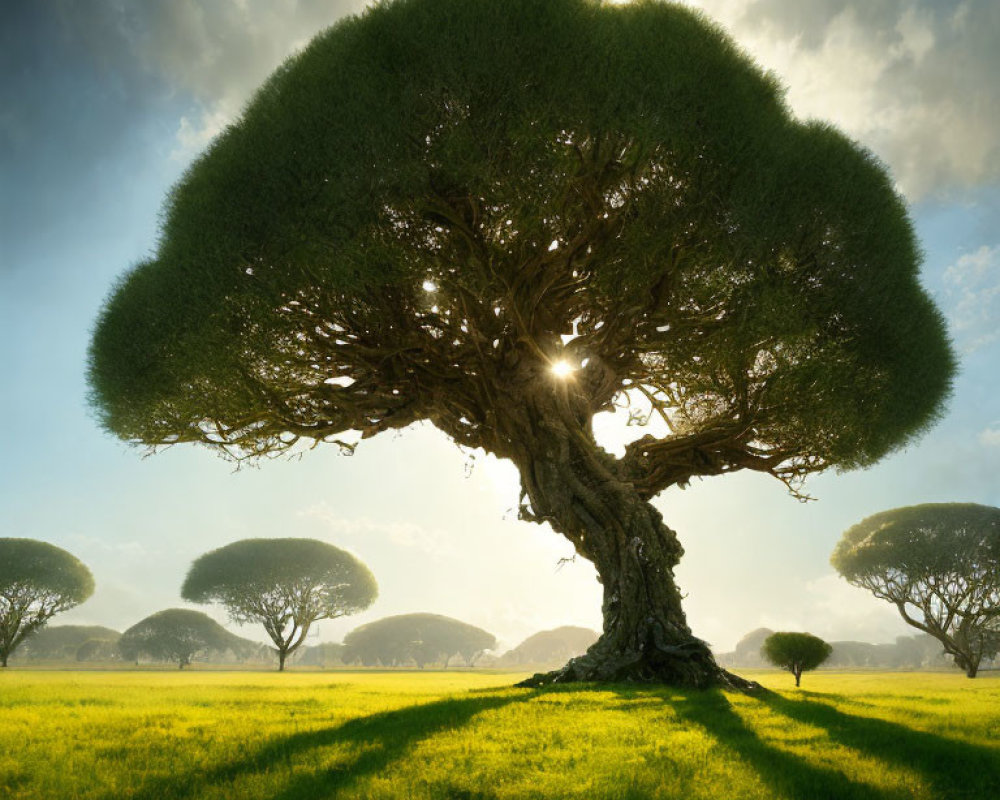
(37, 581)
(622, 172)
(431, 736)
(415, 638)
(284, 584)
(939, 564)
(796, 652)
(176, 634)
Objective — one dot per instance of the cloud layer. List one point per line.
(218, 52)
(972, 298)
(914, 80)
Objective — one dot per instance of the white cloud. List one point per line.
(972, 298)
(990, 436)
(218, 52)
(914, 81)
(433, 542)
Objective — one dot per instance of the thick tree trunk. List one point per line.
(576, 486)
(798, 675)
(281, 660)
(3, 659)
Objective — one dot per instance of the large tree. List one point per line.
(504, 217)
(177, 634)
(37, 581)
(939, 564)
(285, 585)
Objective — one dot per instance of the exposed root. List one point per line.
(686, 666)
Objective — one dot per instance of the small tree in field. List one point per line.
(504, 217)
(939, 564)
(176, 634)
(796, 652)
(283, 584)
(37, 581)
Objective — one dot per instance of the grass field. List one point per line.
(306, 736)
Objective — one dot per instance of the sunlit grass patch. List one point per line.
(160, 736)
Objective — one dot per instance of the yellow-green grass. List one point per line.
(242, 735)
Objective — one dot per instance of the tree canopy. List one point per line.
(939, 564)
(37, 581)
(285, 585)
(503, 217)
(418, 638)
(796, 652)
(176, 634)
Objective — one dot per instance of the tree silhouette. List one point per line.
(418, 638)
(939, 564)
(504, 217)
(796, 652)
(37, 581)
(285, 585)
(176, 634)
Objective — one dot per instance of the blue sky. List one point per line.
(104, 103)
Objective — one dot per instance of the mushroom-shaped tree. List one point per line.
(418, 638)
(37, 581)
(504, 217)
(796, 652)
(176, 634)
(283, 584)
(939, 564)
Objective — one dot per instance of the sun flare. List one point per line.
(562, 368)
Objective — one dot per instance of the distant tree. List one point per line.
(852, 654)
(97, 650)
(552, 646)
(747, 652)
(419, 638)
(285, 585)
(176, 634)
(939, 564)
(61, 642)
(503, 217)
(322, 655)
(796, 652)
(37, 581)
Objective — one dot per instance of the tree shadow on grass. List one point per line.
(785, 774)
(382, 739)
(953, 769)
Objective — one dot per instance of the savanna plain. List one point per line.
(151, 735)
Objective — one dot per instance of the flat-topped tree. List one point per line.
(286, 585)
(37, 581)
(939, 564)
(795, 652)
(176, 634)
(417, 212)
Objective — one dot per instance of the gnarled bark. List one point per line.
(579, 489)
